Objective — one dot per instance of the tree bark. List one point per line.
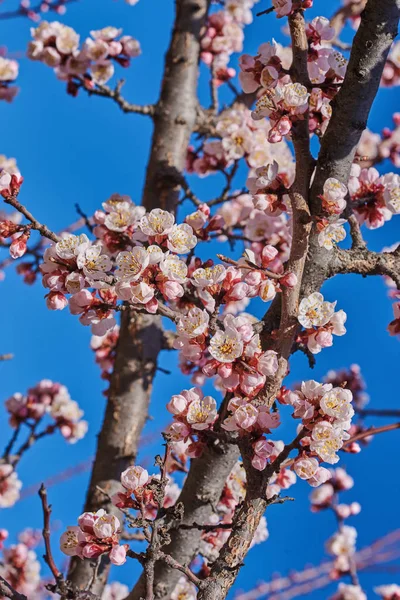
(141, 336)
(351, 108)
(200, 494)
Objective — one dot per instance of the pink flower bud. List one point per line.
(289, 280)
(105, 526)
(343, 510)
(268, 254)
(258, 462)
(355, 508)
(172, 290)
(56, 301)
(225, 370)
(92, 551)
(253, 278)
(177, 404)
(80, 301)
(246, 416)
(134, 477)
(263, 448)
(118, 555)
(178, 431)
(238, 291)
(87, 520)
(18, 246)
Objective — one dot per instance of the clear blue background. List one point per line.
(82, 150)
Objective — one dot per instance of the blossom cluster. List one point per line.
(285, 101)
(239, 136)
(224, 36)
(19, 565)
(320, 321)
(352, 379)
(10, 485)
(96, 534)
(375, 199)
(233, 353)
(326, 413)
(52, 399)
(341, 545)
(57, 46)
(8, 74)
(141, 491)
(136, 259)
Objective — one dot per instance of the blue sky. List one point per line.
(82, 150)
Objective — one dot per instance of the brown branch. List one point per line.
(199, 496)
(48, 557)
(355, 232)
(7, 591)
(105, 91)
(372, 431)
(141, 335)
(365, 262)
(350, 111)
(267, 11)
(6, 357)
(171, 562)
(300, 190)
(35, 224)
(378, 412)
(246, 520)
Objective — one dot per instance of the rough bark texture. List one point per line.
(351, 108)
(138, 347)
(176, 112)
(299, 192)
(175, 119)
(350, 113)
(141, 338)
(200, 494)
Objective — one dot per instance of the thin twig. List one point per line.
(35, 224)
(371, 431)
(267, 11)
(378, 412)
(115, 94)
(48, 556)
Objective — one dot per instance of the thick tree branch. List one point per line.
(350, 111)
(299, 193)
(141, 336)
(365, 262)
(200, 494)
(7, 591)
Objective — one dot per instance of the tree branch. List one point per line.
(7, 591)
(35, 224)
(104, 91)
(141, 336)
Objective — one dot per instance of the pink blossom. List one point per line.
(134, 477)
(56, 301)
(118, 555)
